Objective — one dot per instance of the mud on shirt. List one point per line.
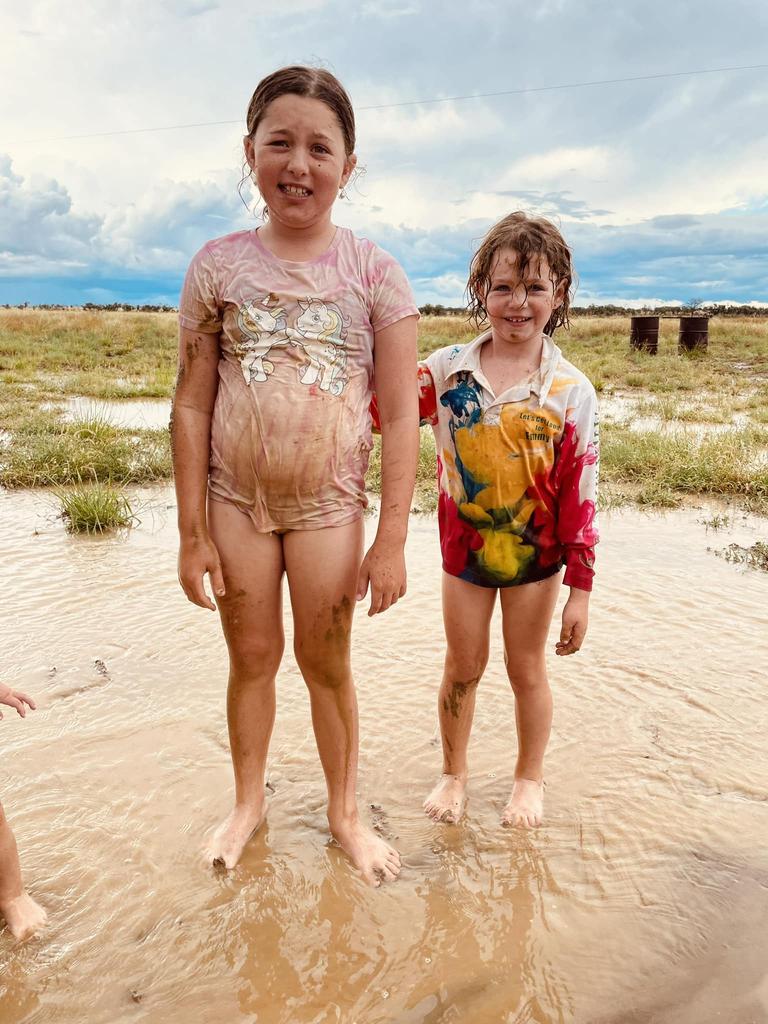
(291, 428)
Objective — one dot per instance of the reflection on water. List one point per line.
(131, 414)
(668, 416)
(642, 899)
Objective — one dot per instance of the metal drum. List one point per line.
(644, 334)
(694, 333)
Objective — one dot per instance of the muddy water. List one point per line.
(131, 413)
(619, 408)
(643, 899)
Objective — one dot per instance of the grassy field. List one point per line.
(45, 356)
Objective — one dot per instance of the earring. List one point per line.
(342, 193)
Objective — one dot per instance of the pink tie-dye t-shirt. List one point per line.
(291, 428)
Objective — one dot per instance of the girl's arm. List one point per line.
(394, 360)
(193, 401)
(427, 400)
(576, 525)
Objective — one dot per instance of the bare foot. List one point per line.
(23, 916)
(229, 840)
(376, 860)
(448, 799)
(525, 806)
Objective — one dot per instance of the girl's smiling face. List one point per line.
(298, 156)
(519, 310)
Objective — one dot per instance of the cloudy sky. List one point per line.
(660, 185)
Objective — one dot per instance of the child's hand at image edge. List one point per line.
(15, 699)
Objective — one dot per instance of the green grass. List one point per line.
(46, 451)
(94, 508)
(718, 521)
(731, 463)
(74, 352)
(48, 355)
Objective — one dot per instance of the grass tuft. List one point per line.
(94, 508)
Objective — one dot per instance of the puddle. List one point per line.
(135, 413)
(622, 409)
(643, 897)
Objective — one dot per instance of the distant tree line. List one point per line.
(692, 307)
(689, 308)
(113, 307)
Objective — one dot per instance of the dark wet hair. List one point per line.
(298, 80)
(531, 238)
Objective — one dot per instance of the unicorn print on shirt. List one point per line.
(323, 326)
(262, 329)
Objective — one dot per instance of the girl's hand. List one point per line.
(575, 618)
(15, 699)
(384, 568)
(198, 556)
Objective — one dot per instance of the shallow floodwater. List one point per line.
(129, 413)
(642, 900)
(620, 408)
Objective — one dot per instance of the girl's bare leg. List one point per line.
(22, 915)
(527, 612)
(322, 567)
(251, 615)
(467, 611)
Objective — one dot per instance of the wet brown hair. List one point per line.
(299, 80)
(531, 238)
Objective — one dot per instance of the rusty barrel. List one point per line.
(694, 333)
(644, 334)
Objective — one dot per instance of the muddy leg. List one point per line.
(251, 616)
(467, 611)
(322, 567)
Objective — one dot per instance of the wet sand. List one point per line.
(642, 900)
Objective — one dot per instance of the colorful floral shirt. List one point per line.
(517, 472)
(291, 430)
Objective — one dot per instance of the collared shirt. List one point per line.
(517, 472)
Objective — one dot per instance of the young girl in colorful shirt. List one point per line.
(516, 431)
(281, 331)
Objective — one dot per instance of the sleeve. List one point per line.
(577, 492)
(427, 400)
(199, 308)
(390, 297)
(427, 396)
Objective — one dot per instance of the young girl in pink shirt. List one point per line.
(282, 329)
(516, 431)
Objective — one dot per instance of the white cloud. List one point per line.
(381, 9)
(547, 168)
(38, 221)
(679, 163)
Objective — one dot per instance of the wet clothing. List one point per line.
(517, 472)
(291, 428)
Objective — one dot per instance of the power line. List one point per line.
(419, 103)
